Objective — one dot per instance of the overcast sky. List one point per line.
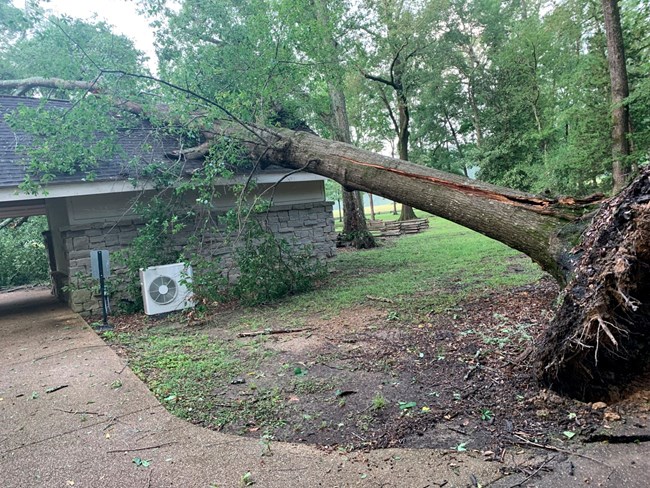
(122, 14)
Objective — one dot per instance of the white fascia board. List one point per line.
(74, 189)
(270, 178)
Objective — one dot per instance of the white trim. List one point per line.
(59, 190)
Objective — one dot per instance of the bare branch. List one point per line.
(391, 114)
(27, 84)
(378, 79)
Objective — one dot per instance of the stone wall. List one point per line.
(306, 223)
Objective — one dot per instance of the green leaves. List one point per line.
(145, 463)
(569, 434)
(67, 140)
(67, 48)
(407, 405)
(23, 259)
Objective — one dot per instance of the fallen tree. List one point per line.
(599, 251)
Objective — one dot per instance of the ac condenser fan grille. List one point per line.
(163, 290)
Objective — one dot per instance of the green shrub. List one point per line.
(266, 267)
(271, 268)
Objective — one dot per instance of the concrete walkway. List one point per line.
(73, 414)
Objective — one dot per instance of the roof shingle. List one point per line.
(142, 145)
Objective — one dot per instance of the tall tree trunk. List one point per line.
(619, 92)
(372, 206)
(355, 227)
(476, 117)
(403, 134)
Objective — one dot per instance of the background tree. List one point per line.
(70, 49)
(319, 33)
(621, 124)
(635, 15)
(269, 62)
(23, 259)
(399, 34)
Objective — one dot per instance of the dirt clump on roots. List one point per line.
(600, 338)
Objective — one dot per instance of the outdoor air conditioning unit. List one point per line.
(164, 288)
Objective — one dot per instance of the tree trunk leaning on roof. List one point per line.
(598, 251)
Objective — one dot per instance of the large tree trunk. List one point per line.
(620, 91)
(355, 227)
(601, 333)
(541, 228)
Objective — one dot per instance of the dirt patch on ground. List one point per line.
(459, 379)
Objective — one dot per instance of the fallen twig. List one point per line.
(471, 371)
(82, 427)
(82, 412)
(558, 449)
(459, 431)
(379, 299)
(56, 388)
(141, 448)
(123, 368)
(533, 473)
(270, 332)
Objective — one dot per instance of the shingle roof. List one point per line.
(144, 145)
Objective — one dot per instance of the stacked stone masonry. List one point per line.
(309, 224)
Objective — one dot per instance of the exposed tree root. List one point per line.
(600, 337)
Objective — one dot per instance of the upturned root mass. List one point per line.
(600, 337)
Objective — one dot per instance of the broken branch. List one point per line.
(270, 331)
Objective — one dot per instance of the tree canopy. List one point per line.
(515, 92)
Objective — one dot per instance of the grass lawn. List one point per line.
(403, 269)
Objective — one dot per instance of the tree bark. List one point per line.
(403, 133)
(599, 251)
(355, 227)
(539, 227)
(619, 93)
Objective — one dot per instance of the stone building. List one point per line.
(83, 215)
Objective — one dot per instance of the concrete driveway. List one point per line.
(73, 414)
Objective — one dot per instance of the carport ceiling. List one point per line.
(22, 209)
